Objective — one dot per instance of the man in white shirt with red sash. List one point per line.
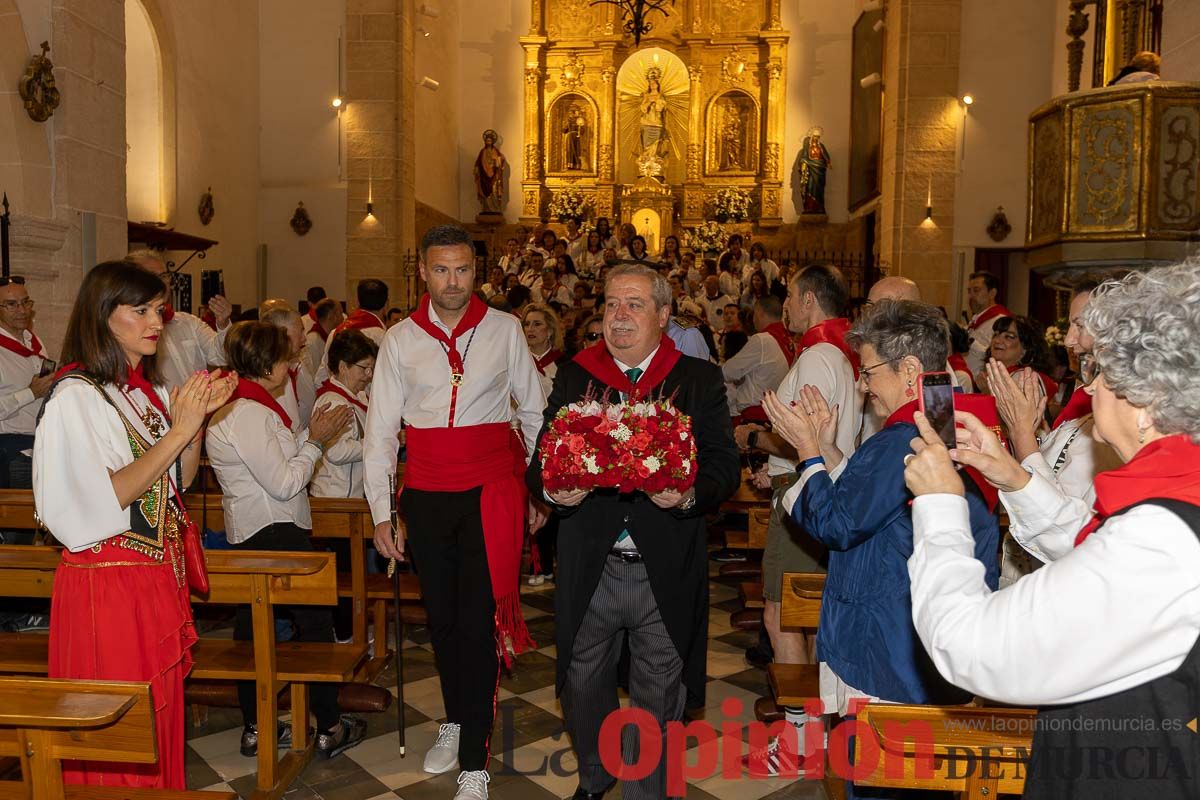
(982, 288)
(451, 372)
(22, 385)
(372, 295)
(300, 392)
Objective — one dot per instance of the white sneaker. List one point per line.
(536, 580)
(472, 785)
(443, 756)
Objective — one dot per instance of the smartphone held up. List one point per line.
(936, 401)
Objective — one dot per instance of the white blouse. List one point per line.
(79, 444)
(339, 473)
(263, 468)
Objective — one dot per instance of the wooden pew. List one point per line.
(260, 579)
(43, 722)
(979, 753)
(343, 518)
(799, 609)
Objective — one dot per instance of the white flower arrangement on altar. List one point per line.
(706, 237)
(1056, 334)
(731, 204)
(569, 203)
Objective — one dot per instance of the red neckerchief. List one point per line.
(360, 320)
(329, 387)
(958, 363)
(312, 312)
(989, 313)
(603, 367)
(832, 331)
(1049, 385)
(249, 390)
(136, 379)
(319, 330)
(476, 310)
(549, 358)
(983, 406)
(1167, 468)
(1080, 405)
(12, 345)
(784, 338)
(168, 313)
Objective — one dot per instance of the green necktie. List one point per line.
(633, 375)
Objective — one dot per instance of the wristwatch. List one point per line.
(690, 502)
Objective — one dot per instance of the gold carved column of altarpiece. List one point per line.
(590, 107)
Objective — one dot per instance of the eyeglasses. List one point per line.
(593, 337)
(365, 367)
(865, 372)
(17, 279)
(13, 305)
(1089, 369)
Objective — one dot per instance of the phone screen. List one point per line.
(49, 367)
(212, 283)
(937, 404)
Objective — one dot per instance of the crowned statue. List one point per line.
(655, 141)
(489, 175)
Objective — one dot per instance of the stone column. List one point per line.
(605, 205)
(772, 180)
(531, 205)
(693, 191)
(920, 133)
(377, 124)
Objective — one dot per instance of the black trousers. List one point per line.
(445, 541)
(547, 544)
(313, 624)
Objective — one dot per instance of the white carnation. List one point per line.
(651, 463)
(621, 433)
(590, 463)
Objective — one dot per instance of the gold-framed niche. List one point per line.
(724, 125)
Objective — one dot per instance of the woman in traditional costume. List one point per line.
(113, 450)
(264, 469)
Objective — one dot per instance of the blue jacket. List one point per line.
(866, 632)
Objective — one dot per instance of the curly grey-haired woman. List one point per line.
(1104, 638)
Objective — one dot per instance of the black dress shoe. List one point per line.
(580, 794)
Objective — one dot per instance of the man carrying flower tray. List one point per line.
(636, 448)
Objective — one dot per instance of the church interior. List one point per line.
(294, 143)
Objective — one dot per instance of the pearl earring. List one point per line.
(1141, 435)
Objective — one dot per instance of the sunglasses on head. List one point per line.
(17, 279)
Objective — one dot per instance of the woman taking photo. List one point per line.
(1104, 636)
(111, 454)
(866, 636)
(264, 470)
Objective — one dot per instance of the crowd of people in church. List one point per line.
(1087, 607)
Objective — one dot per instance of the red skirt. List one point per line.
(117, 615)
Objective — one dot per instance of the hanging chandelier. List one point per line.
(634, 12)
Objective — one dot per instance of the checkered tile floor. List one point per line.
(532, 758)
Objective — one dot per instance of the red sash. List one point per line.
(476, 310)
(319, 330)
(983, 406)
(359, 320)
(1168, 468)
(491, 456)
(249, 390)
(601, 365)
(549, 358)
(785, 340)
(329, 387)
(14, 346)
(136, 379)
(831, 331)
(958, 363)
(1080, 405)
(168, 313)
(988, 314)
(312, 312)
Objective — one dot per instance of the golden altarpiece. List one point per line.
(650, 133)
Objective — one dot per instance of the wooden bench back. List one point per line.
(800, 600)
(291, 578)
(332, 517)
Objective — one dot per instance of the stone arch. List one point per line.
(718, 118)
(165, 56)
(556, 118)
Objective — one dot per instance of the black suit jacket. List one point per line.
(673, 543)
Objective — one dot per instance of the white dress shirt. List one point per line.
(412, 385)
(826, 367)
(758, 367)
(298, 400)
(18, 407)
(263, 469)
(714, 307)
(187, 345)
(562, 294)
(314, 351)
(1120, 610)
(589, 264)
(339, 473)
(981, 341)
(769, 268)
(80, 443)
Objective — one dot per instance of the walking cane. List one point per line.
(394, 574)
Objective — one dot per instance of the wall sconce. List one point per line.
(370, 210)
(929, 203)
(874, 79)
(429, 83)
(879, 26)
(337, 102)
(425, 32)
(968, 99)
